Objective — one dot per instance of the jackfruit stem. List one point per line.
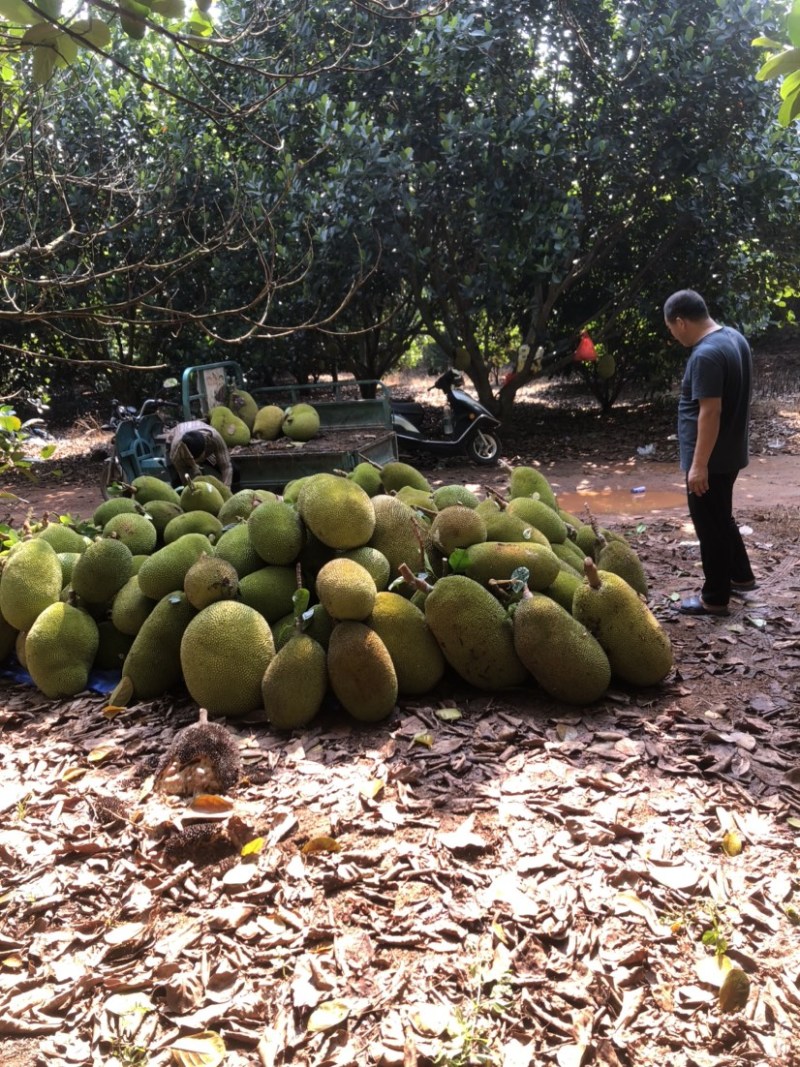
(411, 579)
(592, 575)
(501, 500)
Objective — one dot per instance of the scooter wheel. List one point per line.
(484, 448)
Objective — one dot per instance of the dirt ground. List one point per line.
(480, 879)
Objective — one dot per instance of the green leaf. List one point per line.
(17, 13)
(790, 109)
(300, 599)
(793, 24)
(785, 62)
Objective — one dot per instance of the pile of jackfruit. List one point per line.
(240, 420)
(367, 587)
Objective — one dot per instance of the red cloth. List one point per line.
(585, 352)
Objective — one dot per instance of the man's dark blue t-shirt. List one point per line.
(720, 364)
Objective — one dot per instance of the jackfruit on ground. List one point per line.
(373, 561)
(242, 403)
(498, 559)
(605, 366)
(562, 588)
(587, 541)
(276, 532)
(201, 496)
(637, 647)
(621, 558)
(112, 647)
(153, 664)
(527, 481)
(60, 648)
(474, 632)
(398, 534)
(269, 591)
(235, 546)
(313, 555)
(541, 516)
(346, 589)
(361, 672)
(19, 649)
(416, 656)
(292, 489)
(160, 513)
(571, 555)
(147, 488)
(67, 561)
(201, 758)
(570, 519)
(216, 483)
(135, 531)
(194, 522)
(501, 526)
(319, 626)
(337, 511)
(166, 569)
(242, 504)
(225, 651)
(267, 423)
(447, 495)
(230, 427)
(560, 653)
(301, 422)
(395, 475)
(295, 683)
(368, 476)
(130, 608)
(118, 505)
(457, 526)
(31, 581)
(421, 499)
(208, 580)
(102, 570)
(63, 538)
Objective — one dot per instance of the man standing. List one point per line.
(195, 442)
(713, 427)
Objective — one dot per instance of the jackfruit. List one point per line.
(230, 427)
(416, 656)
(201, 758)
(130, 608)
(153, 664)
(147, 488)
(216, 483)
(269, 591)
(301, 422)
(201, 496)
(112, 647)
(276, 533)
(235, 546)
(67, 561)
(368, 476)
(560, 653)
(474, 632)
(373, 561)
(587, 541)
(541, 516)
(292, 489)
(19, 649)
(193, 522)
(637, 647)
(135, 531)
(361, 672)
(621, 558)
(447, 495)
(208, 580)
(570, 554)
(527, 481)
(166, 569)
(63, 538)
(501, 526)
(160, 513)
(562, 588)
(498, 559)
(570, 519)
(605, 366)
(337, 511)
(118, 505)
(319, 626)
(398, 534)
(225, 651)
(395, 475)
(346, 589)
(242, 504)
(295, 683)
(102, 570)
(60, 648)
(421, 499)
(31, 581)
(267, 423)
(314, 555)
(241, 403)
(457, 527)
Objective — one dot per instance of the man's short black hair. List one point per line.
(195, 441)
(685, 304)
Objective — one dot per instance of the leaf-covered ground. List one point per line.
(481, 879)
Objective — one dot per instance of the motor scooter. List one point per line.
(466, 426)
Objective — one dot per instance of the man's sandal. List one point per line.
(695, 605)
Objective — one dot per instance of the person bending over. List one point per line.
(193, 443)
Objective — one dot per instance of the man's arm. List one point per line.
(708, 420)
(223, 459)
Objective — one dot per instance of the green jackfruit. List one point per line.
(147, 488)
(102, 570)
(319, 626)
(241, 403)
(267, 423)
(498, 559)
(135, 531)
(112, 647)
(60, 648)
(201, 496)
(130, 608)
(242, 504)
(587, 541)
(447, 495)
(295, 683)
(224, 653)
(193, 522)
(337, 511)
(398, 534)
(293, 489)
(153, 665)
(368, 477)
(31, 581)
(67, 561)
(165, 570)
(569, 553)
(395, 475)
(19, 649)
(269, 591)
(230, 427)
(373, 561)
(527, 481)
(621, 558)
(421, 499)
(502, 526)
(637, 647)
(361, 672)
(560, 653)
(301, 422)
(540, 515)
(118, 505)
(457, 527)
(236, 547)
(346, 589)
(605, 366)
(216, 483)
(63, 538)
(276, 532)
(208, 580)
(474, 632)
(563, 587)
(416, 656)
(160, 513)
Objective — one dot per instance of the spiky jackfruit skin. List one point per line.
(153, 664)
(361, 672)
(474, 632)
(208, 580)
(229, 426)
(571, 555)
(60, 648)
(346, 589)
(373, 561)
(217, 484)
(31, 581)
(301, 422)
(621, 558)
(395, 475)
(235, 546)
(416, 656)
(201, 496)
(527, 481)
(161, 513)
(118, 505)
(563, 587)
(605, 366)
(112, 647)
(421, 499)
(560, 653)
(368, 477)
(131, 607)
(457, 527)
(242, 404)
(166, 569)
(194, 522)
(102, 570)
(276, 533)
(295, 683)
(637, 647)
(225, 651)
(447, 495)
(269, 591)
(541, 516)
(337, 511)
(135, 531)
(241, 505)
(293, 489)
(202, 758)
(63, 538)
(498, 559)
(398, 534)
(67, 561)
(501, 526)
(267, 423)
(320, 627)
(571, 519)
(147, 488)
(587, 541)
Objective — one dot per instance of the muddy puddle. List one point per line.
(611, 501)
